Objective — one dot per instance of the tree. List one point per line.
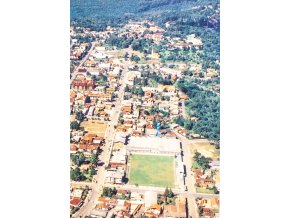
(135, 58)
(114, 191)
(202, 161)
(92, 171)
(146, 113)
(126, 55)
(109, 192)
(105, 191)
(80, 116)
(94, 159)
(74, 159)
(170, 193)
(166, 192)
(74, 125)
(71, 138)
(215, 190)
(127, 88)
(160, 202)
(76, 174)
(82, 158)
(196, 156)
(88, 99)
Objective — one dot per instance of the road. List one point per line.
(97, 187)
(189, 179)
(74, 73)
(183, 109)
(160, 190)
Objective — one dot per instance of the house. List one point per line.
(82, 70)
(210, 207)
(153, 211)
(83, 84)
(104, 96)
(122, 192)
(150, 198)
(110, 90)
(77, 193)
(99, 213)
(114, 176)
(120, 138)
(106, 203)
(73, 148)
(176, 211)
(127, 109)
(76, 202)
(91, 111)
(204, 182)
(90, 63)
(210, 72)
(118, 159)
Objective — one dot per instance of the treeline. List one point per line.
(203, 20)
(109, 9)
(119, 42)
(142, 45)
(204, 105)
(146, 5)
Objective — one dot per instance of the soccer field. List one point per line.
(151, 170)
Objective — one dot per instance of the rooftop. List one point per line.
(154, 144)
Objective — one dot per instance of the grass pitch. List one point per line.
(151, 170)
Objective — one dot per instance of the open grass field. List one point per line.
(151, 170)
(205, 148)
(204, 190)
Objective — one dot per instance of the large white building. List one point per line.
(154, 145)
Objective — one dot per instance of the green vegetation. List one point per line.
(94, 159)
(199, 17)
(76, 174)
(152, 170)
(78, 158)
(202, 161)
(204, 105)
(204, 190)
(74, 125)
(74, 210)
(196, 165)
(135, 58)
(208, 190)
(119, 42)
(80, 116)
(109, 192)
(92, 171)
(168, 193)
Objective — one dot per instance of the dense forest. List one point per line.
(131, 8)
(205, 106)
(199, 17)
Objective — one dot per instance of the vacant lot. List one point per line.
(204, 190)
(150, 170)
(95, 127)
(205, 148)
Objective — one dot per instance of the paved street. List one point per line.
(97, 187)
(189, 179)
(74, 73)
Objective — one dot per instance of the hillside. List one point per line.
(106, 9)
